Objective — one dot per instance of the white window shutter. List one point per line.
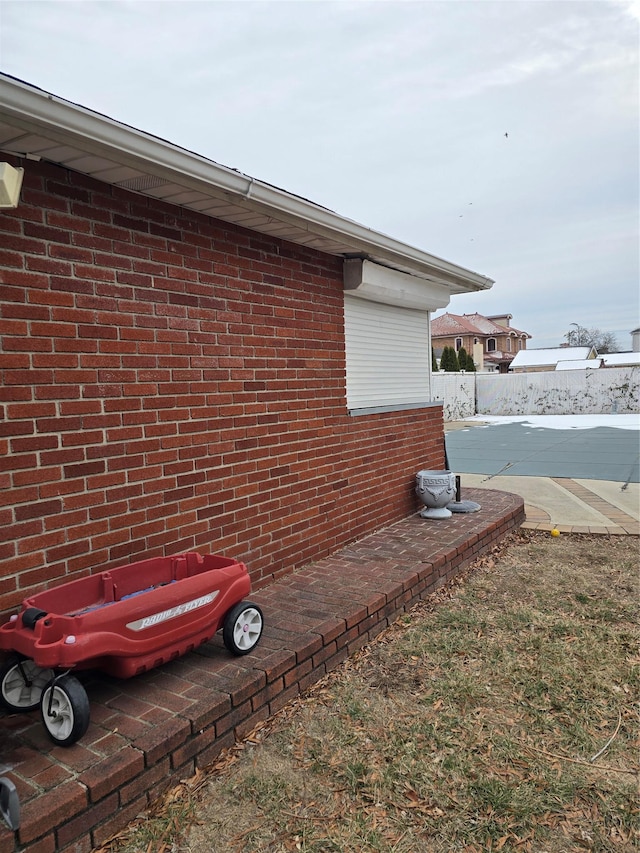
(388, 354)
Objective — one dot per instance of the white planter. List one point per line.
(435, 489)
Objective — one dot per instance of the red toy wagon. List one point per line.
(123, 621)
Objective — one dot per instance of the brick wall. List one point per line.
(172, 382)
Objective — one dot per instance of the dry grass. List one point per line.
(499, 714)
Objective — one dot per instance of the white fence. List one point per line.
(457, 392)
(562, 392)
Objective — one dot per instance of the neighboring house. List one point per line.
(635, 340)
(491, 341)
(581, 364)
(621, 359)
(556, 358)
(194, 359)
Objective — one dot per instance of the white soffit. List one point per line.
(380, 284)
(35, 124)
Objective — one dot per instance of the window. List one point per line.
(458, 344)
(491, 344)
(387, 337)
(508, 344)
(388, 355)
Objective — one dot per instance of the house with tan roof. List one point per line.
(492, 341)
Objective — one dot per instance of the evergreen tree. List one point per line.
(465, 361)
(449, 360)
(434, 361)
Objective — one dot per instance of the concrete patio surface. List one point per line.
(571, 506)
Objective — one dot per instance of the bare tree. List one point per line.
(603, 342)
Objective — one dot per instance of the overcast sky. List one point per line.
(394, 114)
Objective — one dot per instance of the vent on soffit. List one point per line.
(142, 182)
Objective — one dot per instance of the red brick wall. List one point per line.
(172, 382)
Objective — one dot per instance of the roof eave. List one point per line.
(39, 112)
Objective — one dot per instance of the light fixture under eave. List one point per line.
(10, 185)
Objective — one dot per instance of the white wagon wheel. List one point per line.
(65, 711)
(242, 628)
(22, 683)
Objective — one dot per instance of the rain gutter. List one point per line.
(39, 112)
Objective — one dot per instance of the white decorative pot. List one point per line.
(435, 489)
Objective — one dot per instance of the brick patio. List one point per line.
(151, 731)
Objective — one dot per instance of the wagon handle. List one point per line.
(52, 684)
(24, 675)
(9, 803)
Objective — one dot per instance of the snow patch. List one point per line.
(564, 421)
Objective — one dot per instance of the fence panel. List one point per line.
(457, 392)
(611, 390)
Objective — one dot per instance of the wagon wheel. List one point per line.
(242, 628)
(22, 683)
(64, 708)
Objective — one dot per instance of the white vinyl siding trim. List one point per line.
(388, 355)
